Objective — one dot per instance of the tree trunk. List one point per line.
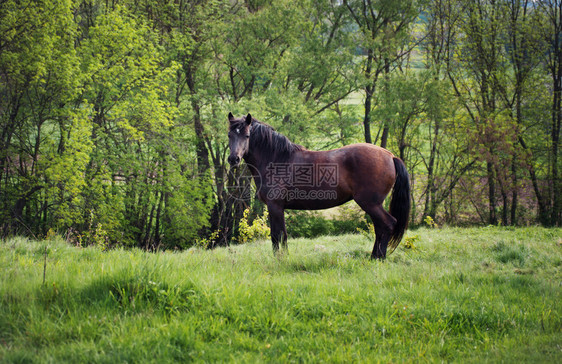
(430, 207)
(492, 219)
(384, 137)
(385, 130)
(203, 165)
(369, 89)
(514, 192)
(556, 121)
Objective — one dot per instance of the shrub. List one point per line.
(430, 222)
(307, 224)
(257, 230)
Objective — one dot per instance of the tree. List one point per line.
(39, 76)
(477, 73)
(384, 30)
(552, 32)
(523, 51)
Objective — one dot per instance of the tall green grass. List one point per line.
(458, 295)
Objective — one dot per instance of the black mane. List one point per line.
(264, 138)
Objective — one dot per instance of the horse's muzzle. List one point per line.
(234, 160)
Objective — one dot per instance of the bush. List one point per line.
(257, 230)
(308, 224)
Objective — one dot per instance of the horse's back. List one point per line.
(363, 158)
(359, 166)
(367, 161)
(353, 151)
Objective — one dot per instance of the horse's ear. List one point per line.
(248, 119)
(230, 117)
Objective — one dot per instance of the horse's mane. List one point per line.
(264, 137)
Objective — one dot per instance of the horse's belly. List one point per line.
(310, 198)
(319, 205)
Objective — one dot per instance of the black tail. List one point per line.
(400, 203)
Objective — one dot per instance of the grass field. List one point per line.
(460, 295)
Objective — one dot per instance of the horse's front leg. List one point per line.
(277, 224)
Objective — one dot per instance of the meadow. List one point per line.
(445, 295)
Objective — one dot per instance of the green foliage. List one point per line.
(188, 206)
(409, 242)
(112, 114)
(428, 220)
(207, 241)
(127, 81)
(40, 77)
(308, 224)
(369, 232)
(258, 229)
(65, 172)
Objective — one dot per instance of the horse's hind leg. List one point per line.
(384, 225)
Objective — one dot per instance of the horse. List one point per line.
(288, 176)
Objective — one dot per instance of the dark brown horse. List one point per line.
(288, 176)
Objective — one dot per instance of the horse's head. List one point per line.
(238, 138)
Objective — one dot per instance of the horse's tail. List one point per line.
(400, 203)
